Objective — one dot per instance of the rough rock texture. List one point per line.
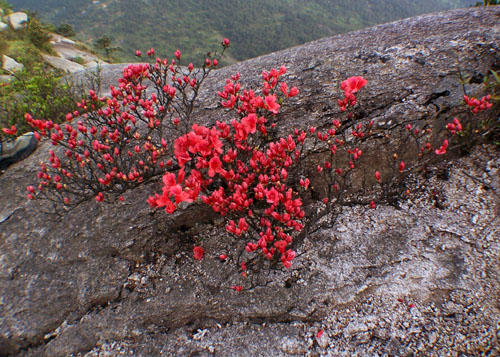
(67, 51)
(10, 65)
(106, 280)
(63, 64)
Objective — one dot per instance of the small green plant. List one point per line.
(79, 60)
(38, 35)
(38, 91)
(3, 44)
(6, 7)
(65, 30)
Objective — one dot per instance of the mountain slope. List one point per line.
(255, 27)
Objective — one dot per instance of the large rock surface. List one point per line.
(63, 64)
(116, 279)
(10, 65)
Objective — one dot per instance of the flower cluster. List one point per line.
(121, 141)
(233, 168)
(478, 104)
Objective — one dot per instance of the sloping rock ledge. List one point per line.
(108, 280)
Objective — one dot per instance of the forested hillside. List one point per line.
(254, 27)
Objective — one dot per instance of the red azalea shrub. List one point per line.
(253, 177)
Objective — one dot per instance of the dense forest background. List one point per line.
(254, 27)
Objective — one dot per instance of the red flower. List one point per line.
(401, 166)
(271, 104)
(273, 196)
(250, 123)
(237, 288)
(293, 92)
(11, 131)
(284, 88)
(214, 166)
(198, 252)
(353, 84)
(377, 176)
(442, 149)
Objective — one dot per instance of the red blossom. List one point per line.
(272, 196)
(271, 104)
(11, 131)
(442, 149)
(353, 84)
(198, 252)
(215, 166)
(249, 123)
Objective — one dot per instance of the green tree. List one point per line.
(65, 30)
(104, 43)
(38, 36)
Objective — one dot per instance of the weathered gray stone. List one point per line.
(10, 65)
(63, 64)
(3, 26)
(66, 49)
(121, 278)
(17, 20)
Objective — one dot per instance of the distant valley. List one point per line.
(254, 27)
